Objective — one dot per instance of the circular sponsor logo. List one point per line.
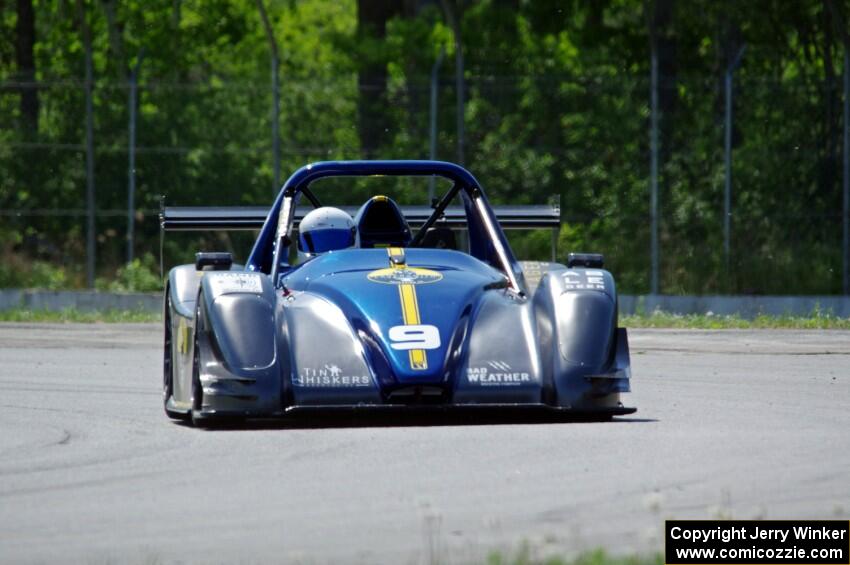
(405, 275)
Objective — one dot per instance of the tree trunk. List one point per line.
(25, 31)
(730, 42)
(372, 17)
(662, 27)
(116, 39)
(829, 157)
(453, 20)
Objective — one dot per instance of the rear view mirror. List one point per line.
(589, 260)
(216, 260)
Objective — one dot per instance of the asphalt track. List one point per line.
(741, 424)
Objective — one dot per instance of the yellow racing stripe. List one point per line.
(410, 315)
(409, 312)
(409, 305)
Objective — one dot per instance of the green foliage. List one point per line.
(16, 272)
(556, 104)
(527, 554)
(140, 275)
(72, 315)
(658, 319)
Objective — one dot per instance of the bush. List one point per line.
(140, 275)
(18, 273)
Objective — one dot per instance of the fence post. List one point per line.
(846, 175)
(275, 95)
(276, 121)
(432, 152)
(131, 150)
(727, 146)
(90, 224)
(451, 17)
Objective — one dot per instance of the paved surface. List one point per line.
(731, 424)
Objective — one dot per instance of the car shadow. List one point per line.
(412, 420)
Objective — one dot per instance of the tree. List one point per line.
(24, 46)
(372, 18)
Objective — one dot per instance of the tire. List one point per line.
(197, 389)
(198, 419)
(168, 364)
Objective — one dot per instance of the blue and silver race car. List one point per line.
(400, 320)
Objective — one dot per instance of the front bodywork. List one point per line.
(350, 331)
(393, 329)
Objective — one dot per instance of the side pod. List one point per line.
(237, 352)
(588, 355)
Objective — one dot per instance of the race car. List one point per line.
(393, 319)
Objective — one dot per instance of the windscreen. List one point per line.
(319, 241)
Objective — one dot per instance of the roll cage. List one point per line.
(487, 241)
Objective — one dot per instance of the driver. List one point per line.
(325, 229)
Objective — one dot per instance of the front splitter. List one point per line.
(560, 412)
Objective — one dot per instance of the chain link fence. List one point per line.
(584, 140)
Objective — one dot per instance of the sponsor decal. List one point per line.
(405, 275)
(184, 334)
(423, 336)
(584, 279)
(497, 373)
(227, 283)
(329, 376)
(413, 336)
(534, 270)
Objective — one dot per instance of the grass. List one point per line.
(658, 319)
(72, 315)
(526, 556)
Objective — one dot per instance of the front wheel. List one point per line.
(199, 419)
(197, 388)
(168, 366)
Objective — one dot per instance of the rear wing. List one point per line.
(203, 218)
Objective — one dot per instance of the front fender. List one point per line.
(325, 360)
(577, 323)
(502, 360)
(236, 335)
(240, 310)
(183, 283)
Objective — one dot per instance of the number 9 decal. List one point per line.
(421, 336)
